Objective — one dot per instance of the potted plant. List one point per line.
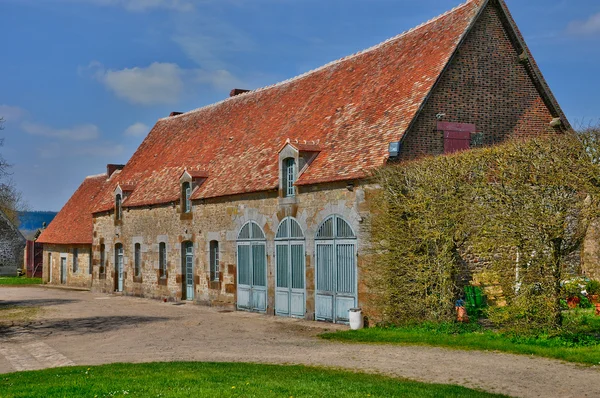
(593, 290)
(572, 291)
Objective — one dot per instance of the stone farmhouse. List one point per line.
(12, 244)
(260, 202)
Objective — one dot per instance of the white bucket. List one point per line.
(356, 319)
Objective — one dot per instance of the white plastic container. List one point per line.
(356, 319)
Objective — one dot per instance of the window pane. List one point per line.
(75, 259)
(259, 268)
(325, 268)
(326, 229)
(345, 269)
(282, 265)
(282, 232)
(244, 264)
(297, 266)
(214, 260)
(343, 229)
(137, 259)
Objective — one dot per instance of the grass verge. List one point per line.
(580, 342)
(197, 379)
(19, 280)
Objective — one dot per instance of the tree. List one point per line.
(11, 201)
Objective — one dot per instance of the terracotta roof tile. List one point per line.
(353, 107)
(74, 224)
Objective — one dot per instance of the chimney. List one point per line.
(111, 168)
(237, 91)
(175, 114)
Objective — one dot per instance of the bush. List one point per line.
(522, 208)
(593, 287)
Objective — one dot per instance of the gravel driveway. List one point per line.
(82, 328)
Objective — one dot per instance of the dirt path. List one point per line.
(81, 328)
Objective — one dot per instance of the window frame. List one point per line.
(289, 176)
(75, 260)
(118, 207)
(186, 197)
(162, 260)
(214, 265)
(137, 259)
(102, 270)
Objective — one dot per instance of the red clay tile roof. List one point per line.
(353, 107)
(73, 224)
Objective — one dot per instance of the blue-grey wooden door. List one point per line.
(336, 273)
(119, 269)
(189, 270)
(251, 269)
(290, 295)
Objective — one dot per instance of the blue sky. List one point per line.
(83, 81)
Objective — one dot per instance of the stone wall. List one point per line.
(590, 266)
(53, 255)
(12, 245)
(220, 220)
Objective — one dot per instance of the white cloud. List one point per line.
(85, 132)
(11, 113)
(143, 5)
(137, 130)
(159, 83)
(588, 27)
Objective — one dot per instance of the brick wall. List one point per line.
(486, 85)
(52, 265)
(220, 220)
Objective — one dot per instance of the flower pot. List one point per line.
(597, 309)
(461, 315)
(594, 299)
(572, 302)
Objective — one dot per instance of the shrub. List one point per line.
(593, 287)
(523, 207)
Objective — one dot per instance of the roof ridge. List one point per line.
(95, 176)
(330, 64)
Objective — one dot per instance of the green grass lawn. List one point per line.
(581, 345)
(19, 280)
(195, 379)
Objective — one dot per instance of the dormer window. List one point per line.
(289, 177)
(186, 197)
(118, 208)
(190, 181)
(294, 159)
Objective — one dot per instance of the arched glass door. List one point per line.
(336, 279)
(251, 268)
(290, 293)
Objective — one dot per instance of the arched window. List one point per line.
(252, 268)
(118, 210)
(336, 279)
(289, 177)
(214, 260)
(137, 253)
(290, 297)
(162, 259)
(186, 195)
